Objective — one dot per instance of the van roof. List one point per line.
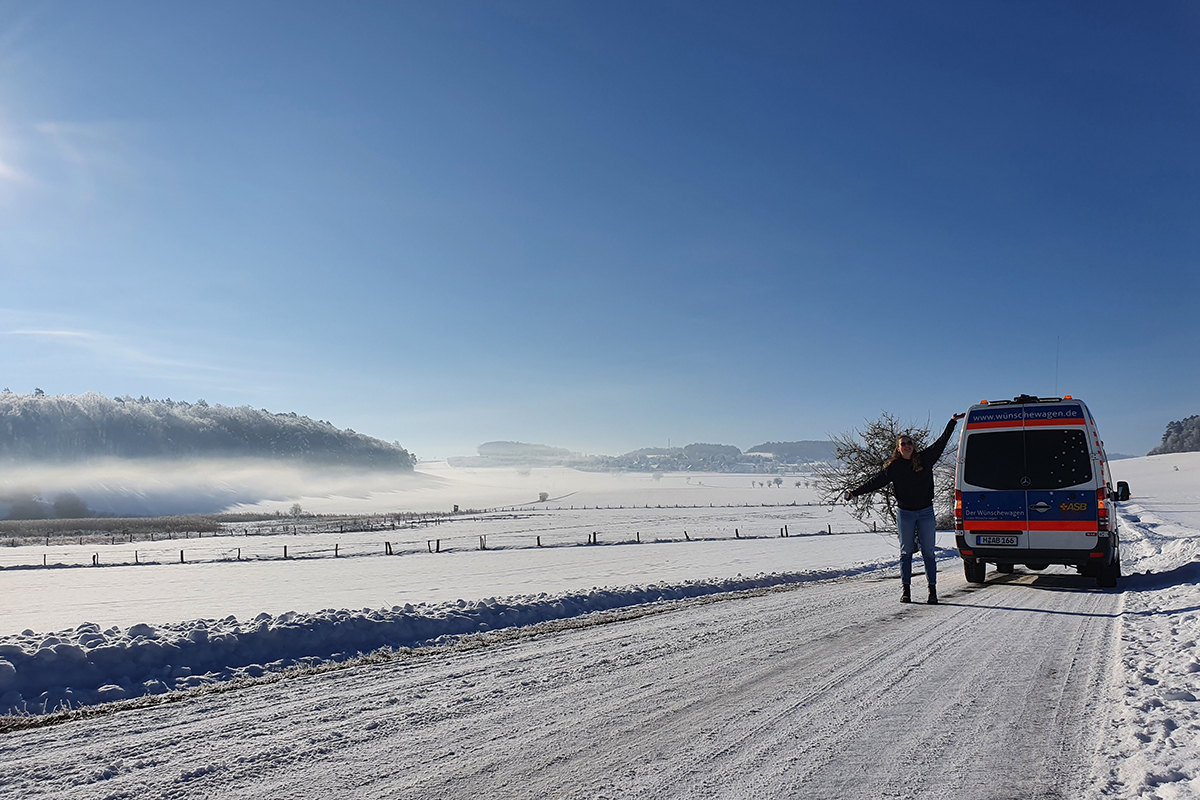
(1028, 399)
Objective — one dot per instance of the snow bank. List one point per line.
(42, 673)
(1153, 750)
(1157, 740)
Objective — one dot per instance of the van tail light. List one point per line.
(1102, 510)
(958, 515)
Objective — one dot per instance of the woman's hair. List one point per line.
(916, 457)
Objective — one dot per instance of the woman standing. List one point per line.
(911, 475)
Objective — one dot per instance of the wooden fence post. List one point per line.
(180, 556)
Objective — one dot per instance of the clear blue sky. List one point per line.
(604, 225)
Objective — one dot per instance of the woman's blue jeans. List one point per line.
(917, 526)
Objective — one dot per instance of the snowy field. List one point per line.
(722, 662)
(438, 486)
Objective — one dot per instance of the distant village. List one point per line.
(766, 458)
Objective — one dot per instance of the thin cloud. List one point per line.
(9, 173)
(117, 352)
(75, 139)
(113, 349)
(79, 158)
(99, 344)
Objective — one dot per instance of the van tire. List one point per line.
(1107, 578)
(976, 571)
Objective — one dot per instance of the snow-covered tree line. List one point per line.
(64, 428)
(1180, 437)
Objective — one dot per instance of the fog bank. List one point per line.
(160, 487)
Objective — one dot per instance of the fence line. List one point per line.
(400, 521)
(448, 544)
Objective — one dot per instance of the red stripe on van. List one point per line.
(1031, 423)
(1063, 525)
(1020, 525)
(1004, 423)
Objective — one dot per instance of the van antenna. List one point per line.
(1057, 340)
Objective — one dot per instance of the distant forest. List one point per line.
(67, 428)
(1180, 437)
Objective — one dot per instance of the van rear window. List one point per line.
(1050, 459)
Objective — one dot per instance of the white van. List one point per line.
(1033, 487)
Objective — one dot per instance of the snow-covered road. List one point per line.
(830, 689)
(1035, 685)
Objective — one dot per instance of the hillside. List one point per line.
(64, 429)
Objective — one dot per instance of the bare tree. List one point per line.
(861, 455)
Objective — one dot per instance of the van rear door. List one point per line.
(1061, 498)
(995, 512)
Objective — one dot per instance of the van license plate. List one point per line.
(1003, 541)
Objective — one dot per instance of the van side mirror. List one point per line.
(1122, 491)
